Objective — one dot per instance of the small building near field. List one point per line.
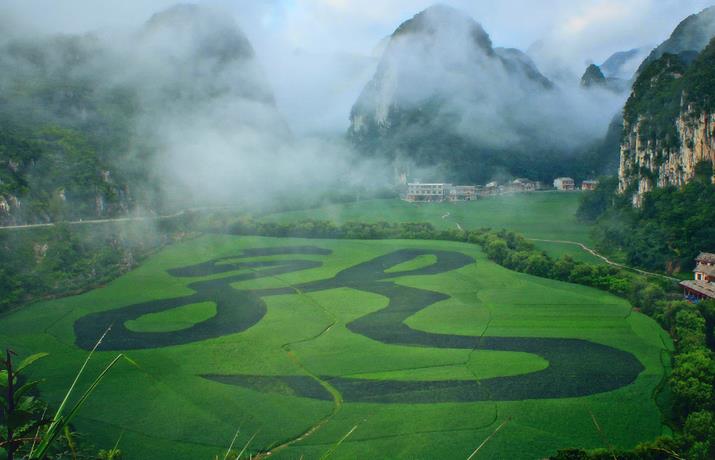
(438, 192)
(589, 185)
(491, 189)
(463, 193)
(564, 184)
(702, 287)
(417, 191)
(523, 185)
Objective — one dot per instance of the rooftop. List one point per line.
(706, 257)
(707, 269)
(702, 287)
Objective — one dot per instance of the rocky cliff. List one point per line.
(646, 164)
(669, 125)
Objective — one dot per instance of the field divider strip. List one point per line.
(477, 347)
(337, 397)
(469, 358)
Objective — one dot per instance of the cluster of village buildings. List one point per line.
(568, 184)
(439, 192)
(702, 287)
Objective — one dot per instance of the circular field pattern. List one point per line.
(575, 367)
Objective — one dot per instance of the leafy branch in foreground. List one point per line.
(26, 430)
(19, 408)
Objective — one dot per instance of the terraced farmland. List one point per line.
(417, 349)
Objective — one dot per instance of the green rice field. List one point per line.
(401, 349)
(540, 215)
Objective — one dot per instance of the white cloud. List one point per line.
(316, 52)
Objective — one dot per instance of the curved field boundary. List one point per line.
(576, 367)
(606, 259)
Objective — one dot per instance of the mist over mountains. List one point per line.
(688, 39)
(175, 113)
(444, 96)
(623, 64)
(178, 111)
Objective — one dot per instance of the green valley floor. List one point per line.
(416, 349)
(539, 215)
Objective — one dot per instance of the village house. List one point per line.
(703, 285)
(492, 188)
(523, 185)
(4, 205)
(417, 191)
(463, 193)
(564, 184)
(589, 185)
(437, 192)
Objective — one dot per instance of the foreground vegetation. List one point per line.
(31, 430)
(164, 406)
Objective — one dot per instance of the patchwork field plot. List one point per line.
(424, 347)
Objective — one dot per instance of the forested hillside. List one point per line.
(62, 133)
(88, 123)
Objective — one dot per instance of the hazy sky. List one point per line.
(318, 53)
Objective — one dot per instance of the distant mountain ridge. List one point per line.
(593, 77)
(443, 96)
(689, 38)
(621, 63)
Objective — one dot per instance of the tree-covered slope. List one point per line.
(89, 123)
(690, 37)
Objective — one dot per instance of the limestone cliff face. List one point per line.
(669, 119)
(647, 163)
(697, 131)
(669, 124)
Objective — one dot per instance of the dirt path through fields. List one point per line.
(604, 258)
